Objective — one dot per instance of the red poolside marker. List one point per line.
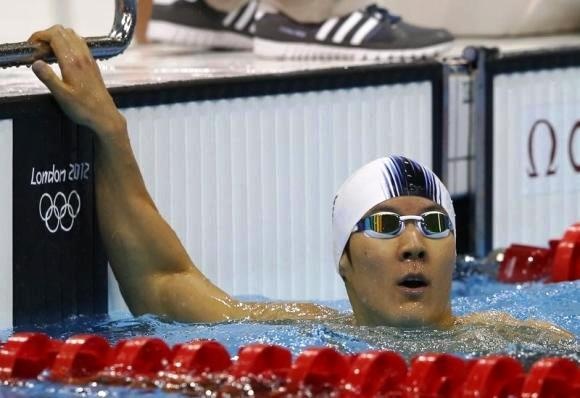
(566, 265)
(81, 356)
(373, 373)
(262, 358)
(200, 356)
(523, 263)
(318, 366)
(435, 375)
(25, 355)
(141, 355)
(550, 378)
(494, 376)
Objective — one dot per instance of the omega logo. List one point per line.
(551, 169)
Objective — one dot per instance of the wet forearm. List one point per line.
(139, 243)
(118, 178)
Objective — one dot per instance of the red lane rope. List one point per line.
(196, 367)
(559, 262)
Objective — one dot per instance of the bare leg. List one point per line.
(143, 15)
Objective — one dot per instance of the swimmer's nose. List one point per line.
(413, 255)
(412, 248)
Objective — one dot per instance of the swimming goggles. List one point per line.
(387, 225)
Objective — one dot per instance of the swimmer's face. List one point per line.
(381, 275)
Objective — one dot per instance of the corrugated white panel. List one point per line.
(248, 184)
(459, 153)
(530, 209)
(6, 172)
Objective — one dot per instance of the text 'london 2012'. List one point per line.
(54, 175)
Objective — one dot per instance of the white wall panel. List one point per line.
(6, 172)
(534, 209)
(21, 18)
(459, 151)
(248, 184)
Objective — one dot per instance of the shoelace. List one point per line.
(382, 13)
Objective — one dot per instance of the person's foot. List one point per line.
(195, 23)
(371, 33)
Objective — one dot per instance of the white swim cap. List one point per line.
(377, 181)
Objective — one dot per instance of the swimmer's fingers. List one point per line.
(46, 40)
(71, 51)
(58, 38)
(50, 79)
(54, 38)
(81, 92)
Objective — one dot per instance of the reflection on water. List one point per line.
(556, 303)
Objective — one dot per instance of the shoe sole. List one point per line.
(283, 50)
(168, 32)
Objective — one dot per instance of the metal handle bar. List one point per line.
(102, 47)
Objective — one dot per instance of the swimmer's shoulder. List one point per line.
(280, 311)
(485, 318)
(502, 320)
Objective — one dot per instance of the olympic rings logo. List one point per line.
(60, 212)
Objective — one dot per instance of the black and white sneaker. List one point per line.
(195, 23)
(369, 34)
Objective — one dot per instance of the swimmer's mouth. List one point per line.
(413, 281)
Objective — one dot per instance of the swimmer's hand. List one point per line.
(511, 326)
(81, 92)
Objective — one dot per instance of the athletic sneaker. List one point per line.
(195, 23)
(371, 33)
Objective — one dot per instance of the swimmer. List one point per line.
(393, 227)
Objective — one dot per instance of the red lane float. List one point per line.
(141, 356)
(200, 356)
(525, 264)
(558, 263)
(256, 359)
(375, 373)
(551, 377)
(435, 375)
(25, 355)
(566, 265)
(317, 369)
(494, 376)
(196, 367)
(81, 357)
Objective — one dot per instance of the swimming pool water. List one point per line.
(556, 303)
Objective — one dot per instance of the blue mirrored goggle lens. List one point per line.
(435, 223)
(432, 224)
(385, 223)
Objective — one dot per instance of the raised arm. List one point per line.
(153, 269)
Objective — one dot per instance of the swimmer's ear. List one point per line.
(344, 266)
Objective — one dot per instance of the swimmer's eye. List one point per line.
(436, 222)
(386, 225)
